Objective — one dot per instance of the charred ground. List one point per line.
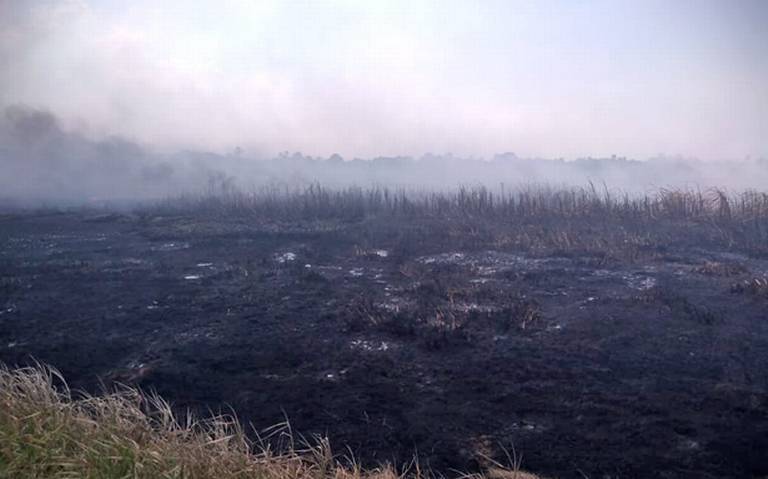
(594, 335)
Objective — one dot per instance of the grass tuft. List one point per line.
(757, 287)
(46, 431)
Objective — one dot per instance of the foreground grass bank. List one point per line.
(46, 431)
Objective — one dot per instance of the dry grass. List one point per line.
(757, 287)
(532, 218)
(718, 268)
(47, 432)
(539, 201)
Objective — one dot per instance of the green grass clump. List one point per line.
(47, 432)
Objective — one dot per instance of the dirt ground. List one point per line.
(584, 366)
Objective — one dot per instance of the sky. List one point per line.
(549, 78)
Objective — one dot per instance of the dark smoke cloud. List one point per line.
(41, 161)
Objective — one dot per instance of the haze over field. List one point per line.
(106, 98)
(448, 238)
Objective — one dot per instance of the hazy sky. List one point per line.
(549, 78)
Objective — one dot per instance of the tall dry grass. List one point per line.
(48, 432)
(591, 218)
(317, 202)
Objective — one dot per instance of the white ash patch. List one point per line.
(687, 444)
(332, 272)
(171, 246)
(555, 293)
(195, 334)
(527, 426)
(474, 307)
(356, 272)
(135, 261)
(369, 346)
(394, 304)
(286, 257)
(133, 370)
(584, 303)
(490, 270)
(640, 283)
(97, 238)
(490, 262)
(392, 307)
(135, 364)
(192, 277)
(445, 258)
(334, 376)
(204, 265)
(381, 253)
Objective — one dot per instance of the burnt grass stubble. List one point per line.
(596, 344)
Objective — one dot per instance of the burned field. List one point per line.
(593, 336)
